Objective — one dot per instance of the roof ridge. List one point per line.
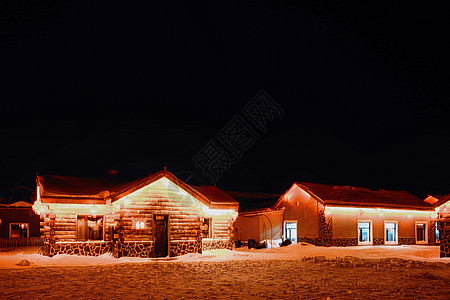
(351, 187)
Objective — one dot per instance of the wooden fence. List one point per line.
(21, 242)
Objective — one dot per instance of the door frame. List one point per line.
(296, 229)
(166, 217)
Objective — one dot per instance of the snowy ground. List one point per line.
(296, 271)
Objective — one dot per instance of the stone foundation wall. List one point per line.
(216, 244)
(184, 247)
(329, 242)
(129, 248)
(325, 225)
(378, 241)
(444, 238)
(345, 242)
(406, 241)
(133, 249)
(77, 248)
(432, 233)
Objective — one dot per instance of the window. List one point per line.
(206, 228)
(18, 230)
(89, 228)
(437, 233)
(421, 232)
(390, 232)
(290, 231)
(364, 232)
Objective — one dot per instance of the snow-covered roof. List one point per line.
(97, 190)
(216, 196)
(337, 195)
(17, 204)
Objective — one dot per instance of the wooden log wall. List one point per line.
(157, 199)
(221, 228)
(62, 227)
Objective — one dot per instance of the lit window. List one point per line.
(421, 232)
(390, 232)
(290, 231)
(437, 233)
(206, 228)
(364, 232)
(89, 228)
(18, 230)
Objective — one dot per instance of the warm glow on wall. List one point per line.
(39, 208)
(208, 212)
(443, 209)
(65, 208)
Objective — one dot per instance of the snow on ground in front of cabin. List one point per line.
(295, 271)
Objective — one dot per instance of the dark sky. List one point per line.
(364, 87)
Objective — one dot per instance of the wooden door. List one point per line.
(161, 240)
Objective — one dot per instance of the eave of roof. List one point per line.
(260, 211)
(376, 205)
(355, 196)
(415, 203)
(218, 198)
(73, 200)
(121, 190)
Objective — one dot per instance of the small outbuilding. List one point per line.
(257, 221)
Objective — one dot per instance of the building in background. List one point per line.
(19, 225)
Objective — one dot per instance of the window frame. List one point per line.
(370, 242)
(396, 233)
(210, 229)
(89, 240)
(424, 242)
(437, 232)
(296, 229)
(15, 223)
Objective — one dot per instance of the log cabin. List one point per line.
(155, 216)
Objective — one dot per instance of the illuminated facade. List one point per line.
(442, 208)
(256, 221)
(155, 216)
(329, 215)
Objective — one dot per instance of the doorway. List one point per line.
(290, 231)
(161, 239)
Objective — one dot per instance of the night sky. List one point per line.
(86, 88)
